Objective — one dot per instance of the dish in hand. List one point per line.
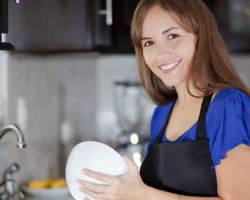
(95, 156)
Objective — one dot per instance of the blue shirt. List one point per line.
(227, 123)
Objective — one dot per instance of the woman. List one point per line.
(200, 131)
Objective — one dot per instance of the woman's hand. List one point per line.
(127, 186)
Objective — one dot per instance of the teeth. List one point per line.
(169, 66)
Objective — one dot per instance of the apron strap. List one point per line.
(201, 126)
(162, 131)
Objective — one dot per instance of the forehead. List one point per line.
(159, 20)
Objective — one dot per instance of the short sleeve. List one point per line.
(231, 123)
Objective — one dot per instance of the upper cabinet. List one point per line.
(46, 25)
(71, 25)
(112, 26)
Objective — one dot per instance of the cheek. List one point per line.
(149, 60)
(187, 55)
(188, 52)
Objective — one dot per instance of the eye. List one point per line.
(148, 44)
(173, 36)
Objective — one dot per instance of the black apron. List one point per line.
(182, 167)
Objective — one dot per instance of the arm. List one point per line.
(233, 179)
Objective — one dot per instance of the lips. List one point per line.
(170, 66)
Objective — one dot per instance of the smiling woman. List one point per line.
(200, 131)
(167, 47)
(210, 67)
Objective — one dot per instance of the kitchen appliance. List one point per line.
(130, 110)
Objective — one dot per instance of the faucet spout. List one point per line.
(19, 134)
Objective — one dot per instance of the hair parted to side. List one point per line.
(210, 69)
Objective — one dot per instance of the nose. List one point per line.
(163, 50)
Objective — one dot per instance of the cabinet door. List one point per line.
(103, 23)
(124, 10)
(50, 25)
(112, 25)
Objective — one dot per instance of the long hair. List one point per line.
(210, 68)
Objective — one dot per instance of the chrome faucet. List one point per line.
(8, 184)
(19, 134)
(9, 192)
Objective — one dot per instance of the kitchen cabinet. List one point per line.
(50, 25)
(71, 25)
(114, 35)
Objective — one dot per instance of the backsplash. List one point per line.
(58, 98)
(65, 97)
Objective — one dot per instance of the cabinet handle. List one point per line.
(108, 12)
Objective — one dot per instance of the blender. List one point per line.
(129, 108)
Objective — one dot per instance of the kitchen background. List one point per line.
(58, 82)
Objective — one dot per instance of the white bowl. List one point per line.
(95, 156)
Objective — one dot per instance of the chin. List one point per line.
(168, 84)
(173, 83)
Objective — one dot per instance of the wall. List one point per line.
(70, 89)
(62, 96)
(242, 64)
(52, 89)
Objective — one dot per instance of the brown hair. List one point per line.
(210, 69)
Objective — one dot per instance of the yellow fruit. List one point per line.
(47, 183)
(39, 184)
(58, 183)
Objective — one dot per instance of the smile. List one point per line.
(169, 67)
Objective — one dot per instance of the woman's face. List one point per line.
(167, 48)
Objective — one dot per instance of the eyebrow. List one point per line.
(164, 32)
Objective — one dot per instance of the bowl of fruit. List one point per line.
(51, 187)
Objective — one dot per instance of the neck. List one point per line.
(184, 97)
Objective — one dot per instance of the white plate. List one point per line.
(53, 192)
(92, 155)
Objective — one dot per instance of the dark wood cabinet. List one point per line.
(114, 37)
(71, 25)
(50, 25)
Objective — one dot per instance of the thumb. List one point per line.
(130, 163)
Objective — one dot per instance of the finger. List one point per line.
(97, 195)
(127, 160)
(130, 163)
(86, 198)
(99, 176)
(94, 187)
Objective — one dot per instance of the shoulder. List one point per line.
(228, 122)
(228, 105)
(228, 98)
(160, 113)
(227, 93)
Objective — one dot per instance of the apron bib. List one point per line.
(182, 167)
